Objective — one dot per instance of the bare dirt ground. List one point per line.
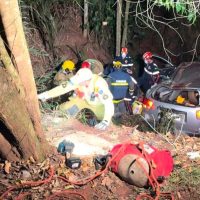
(24, 176)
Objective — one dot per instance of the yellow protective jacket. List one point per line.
(95, 93)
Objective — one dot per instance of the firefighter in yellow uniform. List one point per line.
(66, 72)
(91, 92)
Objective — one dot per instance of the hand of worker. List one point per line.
(102, 125)
(43, 96)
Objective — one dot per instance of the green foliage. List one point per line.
(100, 11)
(87, 117)
(44, 82)
(40, 15)
(186, 8)
(166, 122)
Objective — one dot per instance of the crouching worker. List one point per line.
(90, 91)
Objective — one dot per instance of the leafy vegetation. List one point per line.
(99, 12)
(187, 8)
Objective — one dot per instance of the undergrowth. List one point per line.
(185, 177)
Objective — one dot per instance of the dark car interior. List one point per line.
(180, 97)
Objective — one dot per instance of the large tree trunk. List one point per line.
(10, 68)
(86, 23)
(118, 27)
(124, 36)
(13, 27)
(17, 136)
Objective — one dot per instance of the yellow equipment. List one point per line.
(137, 107)
(117, 64)
(180, 99)
(68, 65)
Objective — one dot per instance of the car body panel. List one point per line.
(186, 79)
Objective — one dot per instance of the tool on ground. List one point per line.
(100, 161)
(141, 164)
(66, 148)
(73, 163)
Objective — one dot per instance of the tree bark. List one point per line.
(17, 132)
(124, 36)
(118, 27)
(86, 23)
(10, 68)
(13, 27)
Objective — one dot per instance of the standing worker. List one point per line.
(151, 74)
(123, 88)
(91, 92)
(126, 60)
(67, 71)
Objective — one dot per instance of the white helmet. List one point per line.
(83, 74)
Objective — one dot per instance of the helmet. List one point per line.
(124, 50)
(85, 64)
(147, 55)
(83, 74)
(117, 64)
(68, 64)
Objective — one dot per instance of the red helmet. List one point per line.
(85, 64)
(124, 50)
(148, 55)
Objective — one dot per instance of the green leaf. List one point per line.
(167, 5)
(191, 17)
(178, 7)
(183, 8)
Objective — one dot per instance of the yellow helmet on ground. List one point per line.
(69, 65)
(117, 64)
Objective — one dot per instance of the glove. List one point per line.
(102, 125)
(43, 96)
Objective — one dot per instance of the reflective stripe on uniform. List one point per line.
(127, 65)
(119, 84)
(151, 73)
(117, 101)
(134, 81)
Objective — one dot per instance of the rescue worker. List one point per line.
(67, 71)
(93, 64)
(126, 60)
(123, 88)
(90, 91)
(151, 74)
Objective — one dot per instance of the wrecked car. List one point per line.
(166, 68)
(180, 96)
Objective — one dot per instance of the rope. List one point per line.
(29, 183)
(152, 179)
(65, 193)
(22, 195)
(98, 173)
(45, 181)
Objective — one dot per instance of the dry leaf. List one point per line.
(72, 177)
(94, 185)
(67, 187)
(107, 182)
(179, 195)
(7, 167)
(32, 159)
